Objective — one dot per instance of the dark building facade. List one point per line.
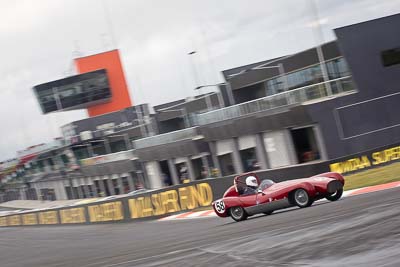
(369, 118)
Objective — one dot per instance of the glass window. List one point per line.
(391, 57)
(40, 165)
(316, 74)
(343, 68)
(64, 159)
(81, 152)
(304, 77)
(73, 91)
(118, 146)
(336, 68)
(330, 67)
(274, 86)
(270, 87)
(98, 148)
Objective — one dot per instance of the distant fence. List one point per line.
(185, 197)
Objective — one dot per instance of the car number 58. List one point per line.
(220, 206)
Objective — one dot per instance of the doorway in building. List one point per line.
(115, 185)
(226, 163)
(106, 188)
(183, 172)
(75, 192)
(96, 185)
(125, 185)
(249, 159)
(165, 173)
(91, 190)
(198, 168)
(142, 179)
(305, 144)
(82, 189)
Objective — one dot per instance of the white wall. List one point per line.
(154, 174)
(279, 148)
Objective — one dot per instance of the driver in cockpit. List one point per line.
(251, 186)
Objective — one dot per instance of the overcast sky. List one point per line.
(39, 39)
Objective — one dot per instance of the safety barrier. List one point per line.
(185, 197)
(154, 204)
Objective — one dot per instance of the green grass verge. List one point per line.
(380, 175)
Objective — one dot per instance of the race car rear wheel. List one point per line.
(335, 196)
(301, 198)
(238, 213)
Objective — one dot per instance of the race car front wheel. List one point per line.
(335, 196)
(238, 214)
(301, 198)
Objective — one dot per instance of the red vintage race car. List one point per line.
(247, 196)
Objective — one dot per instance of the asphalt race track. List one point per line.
(356, 231)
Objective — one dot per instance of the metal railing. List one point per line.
(122, 155)
(165, 138)
(296, 96)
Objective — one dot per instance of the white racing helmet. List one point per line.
(251, 181)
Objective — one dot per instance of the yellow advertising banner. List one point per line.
(184, 198)
(14, 220)
(29, 219)
(3, 221)
(74, 215)
(366, 161)
(48, 217)
(111, 211)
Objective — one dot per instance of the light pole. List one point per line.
(318, 35)
(194, 70)
(195, 73)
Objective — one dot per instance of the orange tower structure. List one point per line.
(110, 61)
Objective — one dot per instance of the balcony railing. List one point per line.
(296, 96)
(123, 155)
(40, 148)
(160, 139)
